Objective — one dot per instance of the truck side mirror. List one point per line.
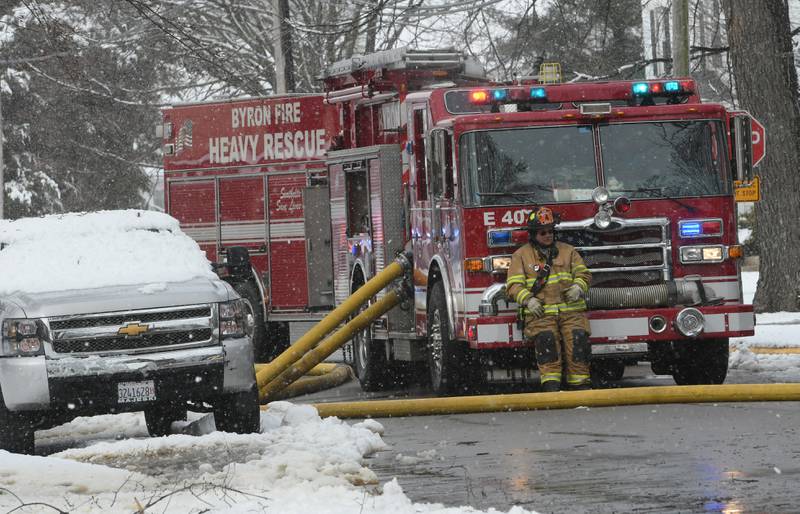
(237, 260)
(742, 133)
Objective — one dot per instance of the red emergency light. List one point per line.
(480, 96)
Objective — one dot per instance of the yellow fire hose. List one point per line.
(267, 392)
(310, 339)
(310, 383)
(561, 400)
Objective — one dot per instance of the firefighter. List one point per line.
(549, 281)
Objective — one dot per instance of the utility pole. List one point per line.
(284, 63)
(680, 38)
(2, 167)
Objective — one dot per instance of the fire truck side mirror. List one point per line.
(743, 147)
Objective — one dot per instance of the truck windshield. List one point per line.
(664, 159)
(541, 164)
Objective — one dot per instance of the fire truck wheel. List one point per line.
(369, 356)
(238, 412)
(159, 418)
(249, 291)
(607, 370)
(446, 358)
(16, 432)
(702, 362)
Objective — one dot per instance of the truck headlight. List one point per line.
(710, 253)
(22, 337)
(232, 318)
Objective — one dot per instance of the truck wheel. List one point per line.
(369, 356)
(249, 291)
(607, 370)
(446, 358)
(159, 418)
(702, 362)
(238, 412)
(16, 432)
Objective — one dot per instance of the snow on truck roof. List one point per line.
(96, 249)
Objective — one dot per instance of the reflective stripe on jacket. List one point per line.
(566, 269)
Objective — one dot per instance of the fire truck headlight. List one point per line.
(691, 254)
(712, 253)
(704, 254)
(690, 322)
(501, 263)
(602, 219)
(600, 195)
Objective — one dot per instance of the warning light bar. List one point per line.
(668, 88)
(501, 95)
(507, 237)
(700, 228)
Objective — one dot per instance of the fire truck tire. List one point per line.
(159, 418)
(702, 362)
(369, 356)
(16, 432)
(607, 370)
(238, 412)
(446, 357)
(262, 352)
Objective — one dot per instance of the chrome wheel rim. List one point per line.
(436, 346)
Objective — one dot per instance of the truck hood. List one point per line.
(120, 298)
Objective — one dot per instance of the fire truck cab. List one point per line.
(420, 152)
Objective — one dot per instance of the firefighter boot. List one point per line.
(551, 386)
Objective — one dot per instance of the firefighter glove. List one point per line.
(573, 293)
(535, 306)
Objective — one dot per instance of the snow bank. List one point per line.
(298, 464)
(98, 249)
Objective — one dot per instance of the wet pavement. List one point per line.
(661, 458)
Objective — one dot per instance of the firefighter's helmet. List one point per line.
(541, 217)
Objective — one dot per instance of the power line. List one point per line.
(198, 50)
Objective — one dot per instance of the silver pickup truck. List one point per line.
(129, 338)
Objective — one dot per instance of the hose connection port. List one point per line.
(690, 322)
(658, 324)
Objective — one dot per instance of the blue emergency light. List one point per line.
(538, 93)
(640, 88)
(673, 86)
(690, 229)
(499, 237)
(499, 94)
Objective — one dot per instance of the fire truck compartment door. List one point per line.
(318, 246)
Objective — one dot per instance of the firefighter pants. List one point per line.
(561, 341)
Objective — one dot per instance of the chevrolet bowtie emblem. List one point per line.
(133, 329)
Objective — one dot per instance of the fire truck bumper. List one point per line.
(617, 331)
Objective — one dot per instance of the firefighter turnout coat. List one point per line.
(561, 335)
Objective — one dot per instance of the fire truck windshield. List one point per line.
(664, 159)
(509, 166)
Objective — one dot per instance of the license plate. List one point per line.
(602, 349)
(131, 392)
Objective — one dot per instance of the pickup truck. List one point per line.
(117, 311)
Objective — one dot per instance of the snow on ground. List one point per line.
(98, 249)
(299, 463)
(773, 330)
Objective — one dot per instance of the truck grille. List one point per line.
(129, 317)
(629, 253)
(153, 329)
(109, 344)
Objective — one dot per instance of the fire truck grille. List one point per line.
(624, 258)
(627, 279)
(582, 238)
(109, 344)
(130, 317)
(625, 255)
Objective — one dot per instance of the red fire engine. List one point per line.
(302, 198)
